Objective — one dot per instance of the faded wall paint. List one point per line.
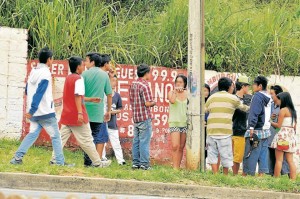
(13, 53)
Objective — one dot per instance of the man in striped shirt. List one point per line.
(221, 107)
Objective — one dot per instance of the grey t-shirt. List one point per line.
(275, 110)
(116, 104)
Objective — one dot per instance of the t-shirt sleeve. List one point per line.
(107, 87)
(119, 102)
(241, 106)
(79, 87)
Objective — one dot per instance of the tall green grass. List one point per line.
(243, 36)
(251, 36)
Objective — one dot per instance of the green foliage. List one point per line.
(242, 36)
(249, 36)
(37, 159)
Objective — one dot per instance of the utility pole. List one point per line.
(195, 144)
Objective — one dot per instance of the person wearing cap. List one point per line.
(141, 100)
(239, 120)
(258, 124)
(221, 106)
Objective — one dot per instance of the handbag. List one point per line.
(283, 145)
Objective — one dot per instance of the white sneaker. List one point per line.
(106, 163)
(104, 159)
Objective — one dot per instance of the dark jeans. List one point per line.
(96, 128)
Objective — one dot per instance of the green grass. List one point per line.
(37, 162)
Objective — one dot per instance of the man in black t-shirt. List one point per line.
(240, 123)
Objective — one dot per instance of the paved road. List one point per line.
(63, 195)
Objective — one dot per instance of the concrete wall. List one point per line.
(13, 53)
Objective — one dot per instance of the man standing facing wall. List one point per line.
(141, 101)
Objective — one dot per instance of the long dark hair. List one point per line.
(184, 79)
(208, 88)
(286, 101)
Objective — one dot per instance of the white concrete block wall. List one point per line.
(13, 55)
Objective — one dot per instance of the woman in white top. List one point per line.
(284, 141)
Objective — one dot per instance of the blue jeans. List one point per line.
(258, 155)
(51, 127)
(141, 143)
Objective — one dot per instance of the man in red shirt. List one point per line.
(141, 101)
(74, 118)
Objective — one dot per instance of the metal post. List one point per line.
(195, 137)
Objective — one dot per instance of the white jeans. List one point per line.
(115, 143)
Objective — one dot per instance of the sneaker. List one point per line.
(51, 162)
(145, 167)
(16, 161)
(101, 165)
(104, 159)
(69, 165)
(65, 164)
(122, 163)
(135, 167)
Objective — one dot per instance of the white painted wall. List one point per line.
(13, 56)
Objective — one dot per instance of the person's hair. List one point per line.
(142, 70)
(224, 84)
(74, 62)
(261, 80)
(184, 79)
(286, 101)
(208, 88)
(238, 85)
(105, 58)
(277, 89)
(95, 57)
(44, 55)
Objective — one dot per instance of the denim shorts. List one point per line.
(99, 132)
(258, 155)
(221, 146)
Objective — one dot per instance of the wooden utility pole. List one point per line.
(195, 145)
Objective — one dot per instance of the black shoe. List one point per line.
(145, 167)
(135, 167)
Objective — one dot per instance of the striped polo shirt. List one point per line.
(221, 107)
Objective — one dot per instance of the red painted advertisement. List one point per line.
(161, 83)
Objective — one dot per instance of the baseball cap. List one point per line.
(243, 79)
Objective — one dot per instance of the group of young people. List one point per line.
(240, 128)
(90, 106)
